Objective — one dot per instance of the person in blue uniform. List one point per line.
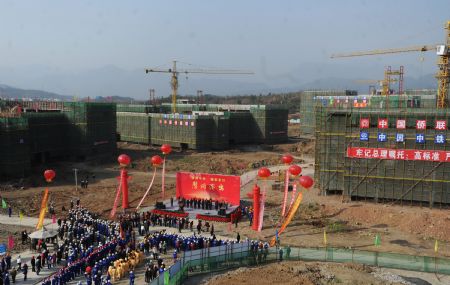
(132, 278)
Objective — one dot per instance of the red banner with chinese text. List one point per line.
(399, 154)
(209, 186)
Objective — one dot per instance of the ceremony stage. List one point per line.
(204, 187)
(225, 215)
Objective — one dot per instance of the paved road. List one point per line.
(32, 278)
(26, 221)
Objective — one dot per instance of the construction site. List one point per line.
(202, 127)
(35, 133)
(376, 211)
(390, 146)
(377, 164)
(198, 126)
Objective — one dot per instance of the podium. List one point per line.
(160, 205)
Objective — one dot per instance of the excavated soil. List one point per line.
(300, 273)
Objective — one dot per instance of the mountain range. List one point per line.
(127, 85)
(15, 93)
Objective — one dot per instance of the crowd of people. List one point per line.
(120, 267)
(87, 245)
(159, 243)
(204, 204)
(9, 269)
(146, 220)
(101, 251)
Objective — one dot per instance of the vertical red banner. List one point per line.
(256, 205)
(10, 242)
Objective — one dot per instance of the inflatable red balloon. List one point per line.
(295, 170)
(264, 172)
(287, 158)
(306, 181)
(124, 160)
(49, 174)
(166, 149)
(156, 160)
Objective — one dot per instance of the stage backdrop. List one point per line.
(204, 186)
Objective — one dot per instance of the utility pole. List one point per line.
(76, 179)
(152, 96)
(199, 97)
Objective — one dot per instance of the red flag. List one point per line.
(54, 219)
(10, 242)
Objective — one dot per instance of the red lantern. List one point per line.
(166, 149)
(49, 175)
(124, 160)
(295, 170)
(287, 159)
(306, 181)
(156, 160)
(264, 172)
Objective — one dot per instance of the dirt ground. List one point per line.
(403, 229)
(301, 273)
(407, 229)
(15, 231)
(317, 273)
(101, 191)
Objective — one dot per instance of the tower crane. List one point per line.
(175, 72)
(386, 82)
(385, 85)
(443, 52)
(385, 51)
(387, 78)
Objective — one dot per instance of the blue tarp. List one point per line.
(2, 248)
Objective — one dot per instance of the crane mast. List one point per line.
(443, 73)
(174, 84)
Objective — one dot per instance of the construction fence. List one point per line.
(406, 163)
(233, 256)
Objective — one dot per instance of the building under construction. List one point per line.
(37, 132)
(399, 154)
(202, 127)
(349, 99)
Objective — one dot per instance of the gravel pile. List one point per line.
(389, 277)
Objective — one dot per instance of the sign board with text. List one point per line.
(399, 154)
(209, 186)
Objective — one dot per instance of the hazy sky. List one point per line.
(284, 42)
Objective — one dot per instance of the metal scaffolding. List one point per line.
(382, 179)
